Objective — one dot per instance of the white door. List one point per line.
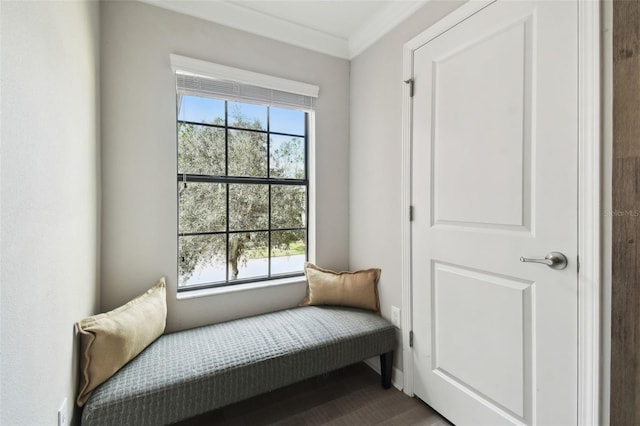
(494, 178)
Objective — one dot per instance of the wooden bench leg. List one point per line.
(386, 366)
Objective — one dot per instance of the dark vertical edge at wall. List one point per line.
(625, 315)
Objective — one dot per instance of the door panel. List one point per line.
(477, 114)
(479, 325)
(494, 177)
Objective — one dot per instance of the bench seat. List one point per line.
(190, 372)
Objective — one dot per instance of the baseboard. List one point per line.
(397, 379)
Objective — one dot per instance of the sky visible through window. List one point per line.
(206, 110)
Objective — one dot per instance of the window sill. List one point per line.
(184, 295)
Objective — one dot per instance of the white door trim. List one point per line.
(589, 192)
(589, 213)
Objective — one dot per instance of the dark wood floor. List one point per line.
(351, 396)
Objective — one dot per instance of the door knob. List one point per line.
(554, 260)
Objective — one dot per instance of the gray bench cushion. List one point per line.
(190, 372)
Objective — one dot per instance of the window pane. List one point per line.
(201, 110)
(248, 207)
(200, 150)
(201, 259)
(260, 228)
(202, 207)
(288, 206)
(247, 154)
(248, 255)
(287, 157)
(247, 116)
(286, 121)
(288, 250)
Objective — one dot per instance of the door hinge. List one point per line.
(410, 83)
(410, 213)
(411, 338)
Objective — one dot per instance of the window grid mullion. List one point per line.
(240, 231)
(306, 178)
(223, 126)
(226, 172)
(240, 180)
(269, 188)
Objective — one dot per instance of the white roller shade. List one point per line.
(195, 77)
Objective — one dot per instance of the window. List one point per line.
(242, 183)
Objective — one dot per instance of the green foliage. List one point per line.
(202, 206)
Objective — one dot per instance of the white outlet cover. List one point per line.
(62, 414)
(395, 316)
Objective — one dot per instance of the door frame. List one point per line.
(589, 192)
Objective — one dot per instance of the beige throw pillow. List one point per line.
(358, 289)
(109, 340)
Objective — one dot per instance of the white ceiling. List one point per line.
(342, 28)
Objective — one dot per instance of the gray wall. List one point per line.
(375, 167)
(49, 203)
(139, 153)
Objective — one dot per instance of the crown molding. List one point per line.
(383, 22)
(244, 19)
